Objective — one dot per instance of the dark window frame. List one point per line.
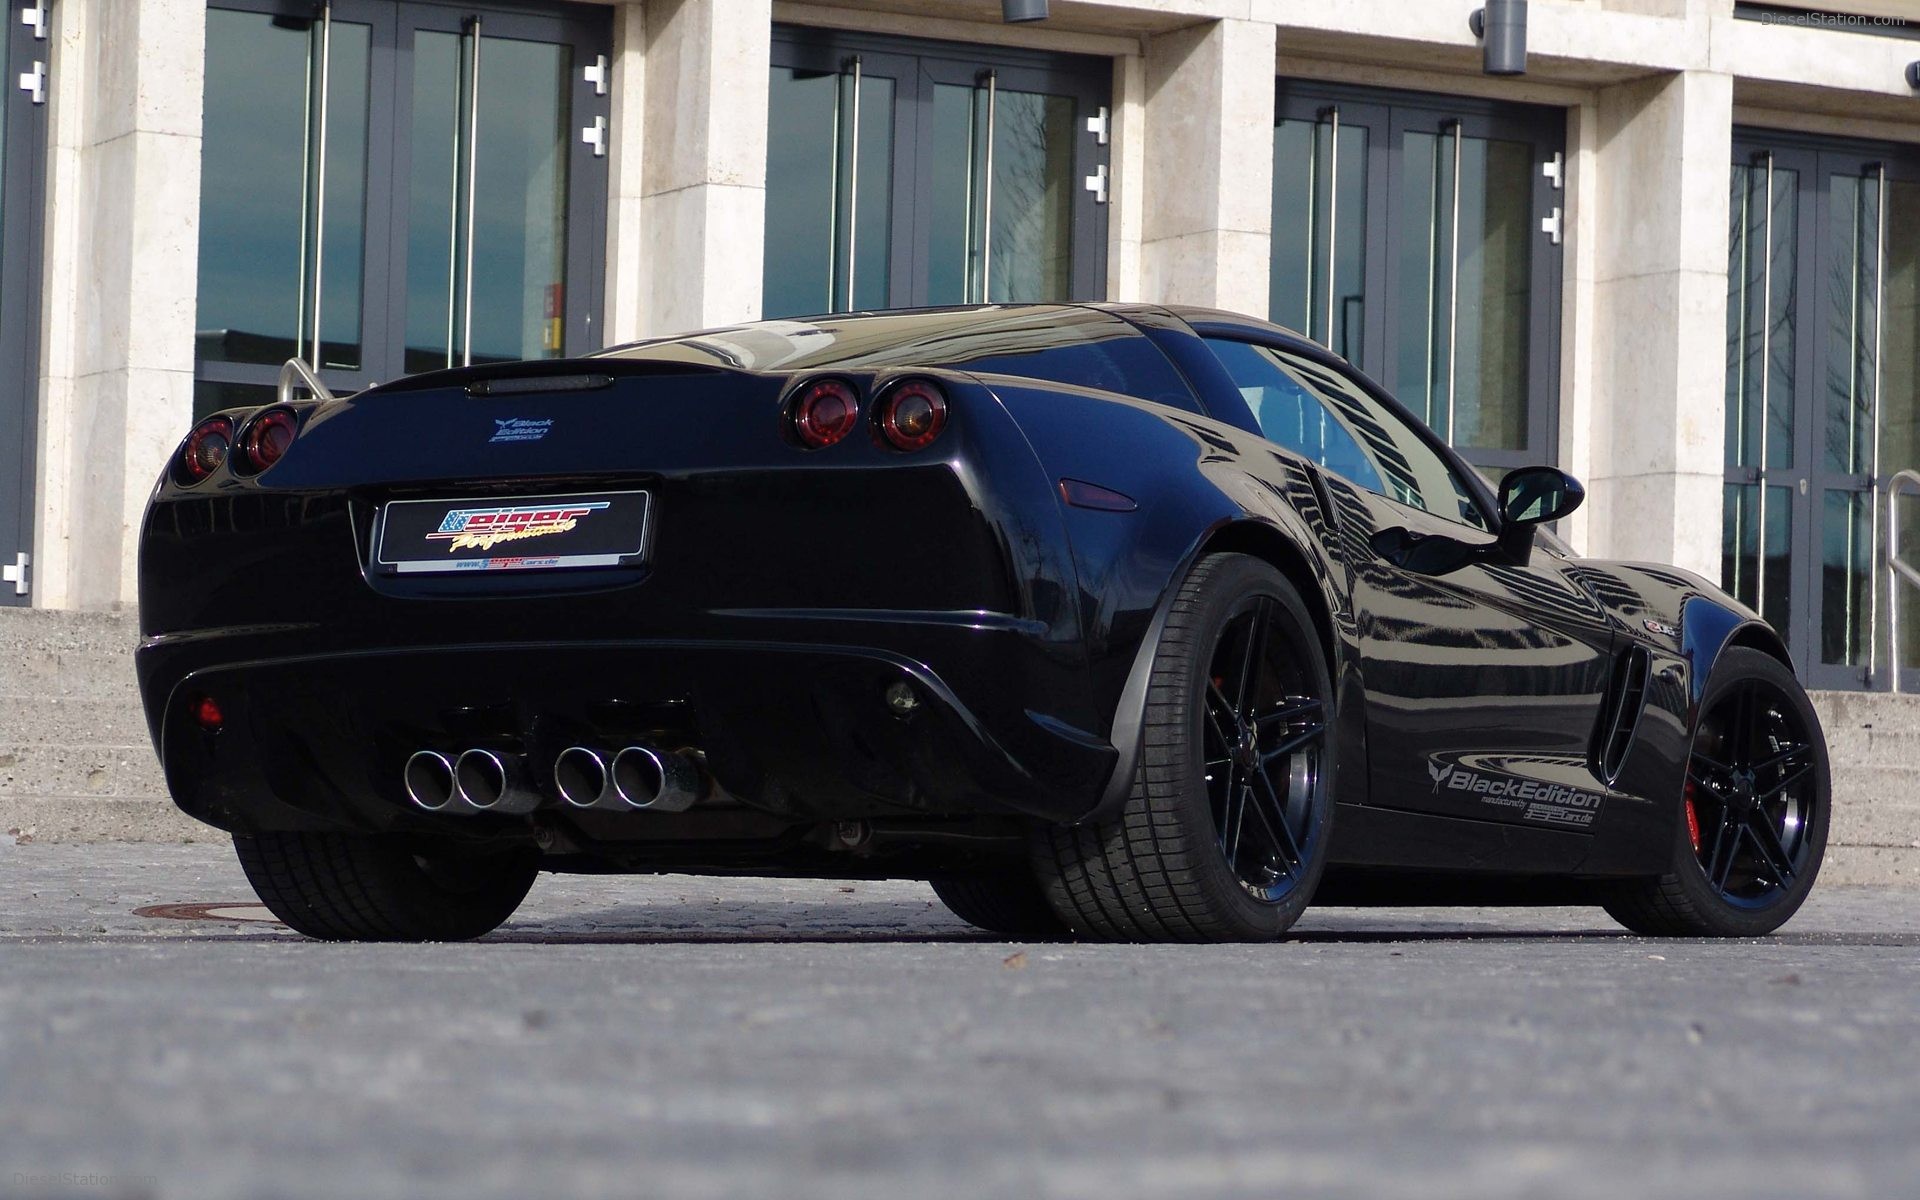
(589, 29)
(916, 65)
(1391, 112)
(1816, 157)
(22, 227)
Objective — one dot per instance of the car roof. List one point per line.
(889, 337)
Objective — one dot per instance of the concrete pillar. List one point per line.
(1663, 147)
(1126, 199)
(120, 266)
(626, 228)
(703, 162)
(1206, 235)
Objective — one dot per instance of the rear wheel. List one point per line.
(1011, 903)
(1224, 835)
(1754, 811)
(351, 887)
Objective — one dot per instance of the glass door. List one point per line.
(1419, 236)
(25, 53)
(904, 173)
(391, 188)
(493, 152)
(1823, 399)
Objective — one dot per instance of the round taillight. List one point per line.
(206, 449)
(912, 414)
(823, 413)
(268, 436)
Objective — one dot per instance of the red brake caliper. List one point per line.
(1693, 820)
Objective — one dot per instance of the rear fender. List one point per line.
(1198, 485)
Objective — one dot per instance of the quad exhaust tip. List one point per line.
(638, 777)
(473, 782)
(429, 780)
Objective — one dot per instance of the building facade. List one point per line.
(1679, 256)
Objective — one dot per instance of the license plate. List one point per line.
(516, 533)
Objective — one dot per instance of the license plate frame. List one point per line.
(486, 534)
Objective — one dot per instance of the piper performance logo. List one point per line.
(1496, 781)
(485, 528)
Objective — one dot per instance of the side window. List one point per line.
(1128, 365)
(1396, 462)
(1292, 415)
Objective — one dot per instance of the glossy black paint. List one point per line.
(784, 590)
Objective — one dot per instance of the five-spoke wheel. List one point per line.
(1753, 810)
(1224, 835)
(1264, 732)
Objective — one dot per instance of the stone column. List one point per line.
(1208, 158)
(1663, 146)
(703, 166)
(627, 256)
(122, 252)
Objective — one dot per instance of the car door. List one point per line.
(1484, 676)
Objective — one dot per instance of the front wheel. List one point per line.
(1224, 835)
(351, 887)
(1753, 811)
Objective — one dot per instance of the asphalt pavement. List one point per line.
(688, 1037)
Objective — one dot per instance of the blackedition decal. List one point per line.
(1544, 790)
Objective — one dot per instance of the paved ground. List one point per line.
(697, 1038)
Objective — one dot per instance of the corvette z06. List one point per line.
(1116, 621)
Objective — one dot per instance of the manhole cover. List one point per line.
(255, 913)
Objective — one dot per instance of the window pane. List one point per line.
(1290, 414)
(435, 258)
(1741, 561)
(1466, 290)
(1846, 575)
(518, 164)
(1900, 338)
(1312, 210)
(260, 189)
(1853, 298)
(1010, 242)
(520, 219)
(1402, 465)
(822, 181)
(1032, 215)
(1762, 315)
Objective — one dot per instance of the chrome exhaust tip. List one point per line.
(580, 776)
(656, 780)
(429, 780)
(488, 781)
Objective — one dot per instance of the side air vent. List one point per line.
(1620, 715)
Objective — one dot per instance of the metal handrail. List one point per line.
(296, 373)
(1897, 571)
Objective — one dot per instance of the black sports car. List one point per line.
(1117, 620)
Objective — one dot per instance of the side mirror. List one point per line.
(1535, 495)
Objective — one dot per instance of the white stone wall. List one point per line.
(1651, 88)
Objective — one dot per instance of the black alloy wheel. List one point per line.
(1265, 733)
(1754, 810)
(1224, 835)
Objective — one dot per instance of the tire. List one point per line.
(1721, 886)
(347, 887)
(1011, 904)
(1162, 869)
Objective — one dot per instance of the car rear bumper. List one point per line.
(801, 727)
